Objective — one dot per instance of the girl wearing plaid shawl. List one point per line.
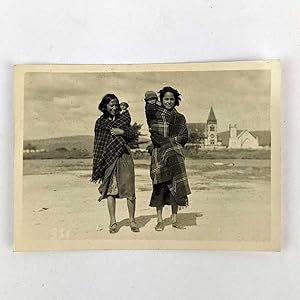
(112, 161)
(168, 134)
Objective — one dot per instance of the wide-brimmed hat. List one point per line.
(150, 95)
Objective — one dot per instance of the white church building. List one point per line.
(242, 140)
(207, 136)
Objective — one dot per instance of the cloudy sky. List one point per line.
(65, 104)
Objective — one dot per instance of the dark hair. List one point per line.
(124, 104)
(169, 89)
(105, 100)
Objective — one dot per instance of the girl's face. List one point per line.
(112, 107)
(123, 107)
(152, 100)
(168, 100)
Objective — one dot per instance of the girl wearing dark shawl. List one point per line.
(168, 134)
(112, 161)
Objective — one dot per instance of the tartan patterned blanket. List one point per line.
(107, 147)
(169, 134)
(158, 119)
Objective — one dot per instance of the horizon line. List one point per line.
(90, 135)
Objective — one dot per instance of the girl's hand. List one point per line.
(117, 131)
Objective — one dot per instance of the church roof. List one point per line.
(241, 132)
(264, 137)
(211, 117)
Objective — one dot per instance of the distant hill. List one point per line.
(264, 137)
(79, 142)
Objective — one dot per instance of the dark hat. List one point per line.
(150, 95)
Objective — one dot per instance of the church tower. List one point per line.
(212, 130)
(233, 140)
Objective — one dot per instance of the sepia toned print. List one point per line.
(161, 156)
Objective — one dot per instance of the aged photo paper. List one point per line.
(194, 147)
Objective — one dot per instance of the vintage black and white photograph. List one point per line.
(161, 156)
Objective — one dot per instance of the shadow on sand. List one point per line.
(185, 219)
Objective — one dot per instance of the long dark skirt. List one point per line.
(119, 179)
(161, 196)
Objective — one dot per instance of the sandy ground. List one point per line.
(226, 204)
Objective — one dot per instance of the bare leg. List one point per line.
(131, 211)
(174, 213)
(174, 217)
(159, 211)
(111, 203)
(160, 225)
(131, 208)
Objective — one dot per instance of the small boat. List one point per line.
(223, 164)
(218, 164)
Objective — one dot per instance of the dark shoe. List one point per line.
(178, 226)
(113, 228)
(134, 227)
(160, 226)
